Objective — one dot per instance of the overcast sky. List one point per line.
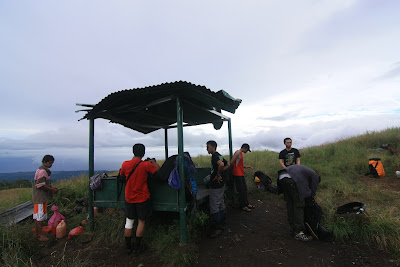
(316, 71)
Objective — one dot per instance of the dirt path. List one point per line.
(258, 238)
(261, 238)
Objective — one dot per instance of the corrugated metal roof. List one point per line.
(154, 107)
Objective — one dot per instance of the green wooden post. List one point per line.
(230, 139)
(231, 187)
(91, 172)
(182, 199)
(166, 143)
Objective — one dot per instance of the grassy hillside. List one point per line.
(342, 166)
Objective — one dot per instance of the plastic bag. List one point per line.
(56, 216)
(75, 232)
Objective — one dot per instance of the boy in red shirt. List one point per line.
(137, 195)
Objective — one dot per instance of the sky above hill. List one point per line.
(316, 71)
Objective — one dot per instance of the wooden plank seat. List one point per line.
(163, 197)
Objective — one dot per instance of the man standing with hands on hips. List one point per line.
(218, 179)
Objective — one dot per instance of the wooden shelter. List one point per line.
(165, 106)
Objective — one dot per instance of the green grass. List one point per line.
(12, 197)
(342, 166)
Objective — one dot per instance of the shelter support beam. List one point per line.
(91, 172)
(233, 196)
(230, 139)
(166, 143)
(181, 170)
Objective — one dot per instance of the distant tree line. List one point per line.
(19, 183)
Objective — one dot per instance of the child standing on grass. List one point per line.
(42, 193)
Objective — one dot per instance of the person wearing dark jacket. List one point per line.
(298, 183)
(218, 179)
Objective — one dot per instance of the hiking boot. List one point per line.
(301, 236)
(128, 245)
(311, 231)
(139, 250)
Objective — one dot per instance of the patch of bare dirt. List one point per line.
(391, 183)
(257, 238)
(261, 238)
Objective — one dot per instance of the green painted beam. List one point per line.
(91, 172)
(166, 143)
(181, 169)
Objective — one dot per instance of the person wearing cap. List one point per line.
(238, 176)
(289, 156)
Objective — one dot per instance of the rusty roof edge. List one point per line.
(214, 98)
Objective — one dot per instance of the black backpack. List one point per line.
(266, 182)
(312, 217)
(265, 179)
(352, 207)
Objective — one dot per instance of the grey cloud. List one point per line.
(316, 134)
(393, 73)
(283, 117)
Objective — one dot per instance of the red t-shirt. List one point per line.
(238, 167)
(136, 190)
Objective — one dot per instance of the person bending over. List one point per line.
(297, 183)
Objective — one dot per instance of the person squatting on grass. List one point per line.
(289, 156)
(238, 176)
(299, 184)
(137, 196)
(42, 192)
(218, 179)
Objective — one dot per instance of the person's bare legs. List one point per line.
(140, 228)
(38, 231)
(128, 232)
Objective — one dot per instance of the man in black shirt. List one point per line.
(217, 183)
(289, 156)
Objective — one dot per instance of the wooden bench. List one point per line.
(163, 196)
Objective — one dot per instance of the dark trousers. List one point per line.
(295, 206)
(241, 187)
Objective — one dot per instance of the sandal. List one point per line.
(251, 206)
(246, 209)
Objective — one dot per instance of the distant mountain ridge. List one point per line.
(55, 175)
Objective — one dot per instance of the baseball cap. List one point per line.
(246, 146)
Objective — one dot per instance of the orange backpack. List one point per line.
(376, 167)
